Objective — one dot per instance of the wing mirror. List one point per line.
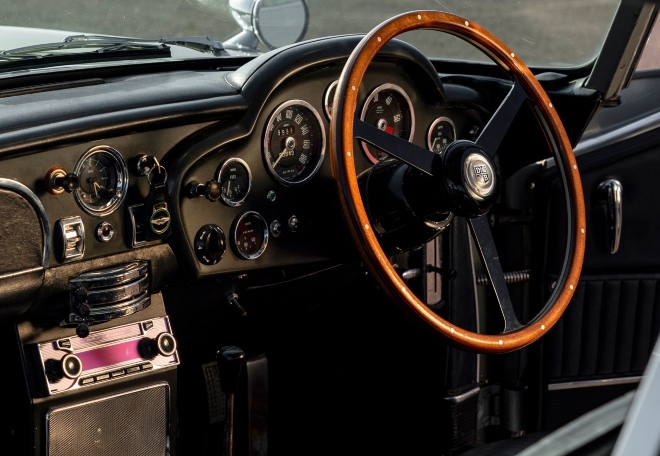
(274, 23)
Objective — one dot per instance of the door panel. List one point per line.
(601, 345)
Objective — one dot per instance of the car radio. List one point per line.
(107, 355)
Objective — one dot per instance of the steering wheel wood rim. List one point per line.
(342, 151)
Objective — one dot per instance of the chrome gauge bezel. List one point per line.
(121, 186)
(365, 107)
(328, 98)
(218, 175)
(264, 226)
(267, 142)
(429, 133)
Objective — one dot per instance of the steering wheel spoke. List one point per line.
(407, 152)
(486, 244)
(492, 135)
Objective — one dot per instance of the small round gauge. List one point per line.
(250, 235)
(441, 133)
(103, 177)
(388, 108)
(235, 179)
(294, 142)
(328, 98)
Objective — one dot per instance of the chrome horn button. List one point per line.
(479, 176)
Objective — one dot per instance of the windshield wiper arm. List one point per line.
(104, 45)
(54, 54)
(197, 43)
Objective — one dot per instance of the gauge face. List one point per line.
(388, 108)
(235, 180)
(328, 99)
(294, 143)
(250, 235)
(441, 133)
(103, 178)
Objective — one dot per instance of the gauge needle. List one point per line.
(279, 157)
(96, 188)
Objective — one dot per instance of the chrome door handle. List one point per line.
(609, 192)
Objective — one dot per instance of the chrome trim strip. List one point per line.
(620, 134)
(592, 383)
(39, 209)
(463, 397)
(21, 272)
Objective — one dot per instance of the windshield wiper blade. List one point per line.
(102, 46)
(62, 53)
(197, 43)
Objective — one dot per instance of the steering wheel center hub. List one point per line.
(479, 176)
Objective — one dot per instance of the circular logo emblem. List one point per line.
(160, 221)
(479, 176)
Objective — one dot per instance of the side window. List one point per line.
(651, 54)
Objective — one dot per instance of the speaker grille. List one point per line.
(135, 423)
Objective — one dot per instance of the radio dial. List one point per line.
(71, 366)
(164, 345)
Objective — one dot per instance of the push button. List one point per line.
(64, 344)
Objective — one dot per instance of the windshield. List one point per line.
(559, 33)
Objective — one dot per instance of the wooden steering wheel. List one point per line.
(465, 172)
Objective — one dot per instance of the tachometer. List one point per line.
(103, 177)
(388, 108)
(294, 142)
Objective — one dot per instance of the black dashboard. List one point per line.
(246, 154)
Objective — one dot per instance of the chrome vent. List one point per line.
(106, 294)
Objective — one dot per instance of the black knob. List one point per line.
(71, 366)
(82, 330)
(230, 361)
(69, 182)
(57, 181)
(211, 190)
(163, 344)
(84, 309)
(81, 294)
(210, 244)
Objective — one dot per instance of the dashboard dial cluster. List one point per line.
(293, 149)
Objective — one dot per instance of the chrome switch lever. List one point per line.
(610, 193)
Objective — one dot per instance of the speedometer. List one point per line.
(388, 108)
(103, 177)
(294, 142)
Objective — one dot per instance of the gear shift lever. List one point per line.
(230, 361)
